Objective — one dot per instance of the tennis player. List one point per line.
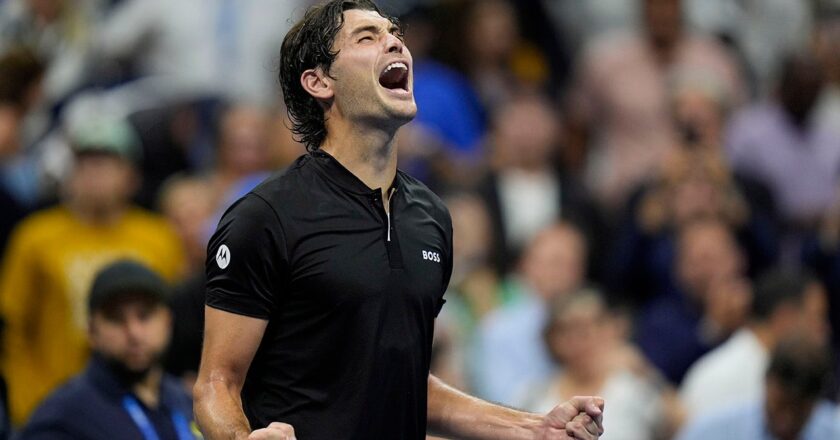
(324, 282)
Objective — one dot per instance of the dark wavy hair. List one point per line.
(308, 45)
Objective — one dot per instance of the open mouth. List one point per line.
(395, 76)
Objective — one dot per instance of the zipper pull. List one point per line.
(388, 212)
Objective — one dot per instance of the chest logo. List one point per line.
(431, 256)
(223, 256)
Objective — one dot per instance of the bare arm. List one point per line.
(230, 342)
(454, 414)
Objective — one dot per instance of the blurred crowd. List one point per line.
(645, 194)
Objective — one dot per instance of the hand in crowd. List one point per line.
(580, 418)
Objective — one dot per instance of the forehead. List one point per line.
(131, 302)
(358, 18)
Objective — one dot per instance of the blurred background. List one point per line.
(645, 193)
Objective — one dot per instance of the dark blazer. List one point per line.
(90, 406)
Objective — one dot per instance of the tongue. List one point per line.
(393, 78)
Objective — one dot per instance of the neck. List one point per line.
(765, 335)
(98, 216)
(368, 153)
(584, 380)
(591, 375)
(148, 389)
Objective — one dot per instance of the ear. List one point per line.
(317, 84)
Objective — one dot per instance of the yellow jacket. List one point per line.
(46, 274)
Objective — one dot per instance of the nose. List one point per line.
(134, 328)
(394, 44)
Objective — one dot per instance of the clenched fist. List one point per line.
(580, 418)
(274, 431)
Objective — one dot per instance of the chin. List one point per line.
(403, 112)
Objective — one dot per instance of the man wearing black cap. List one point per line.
(124, 392)
(54, 254)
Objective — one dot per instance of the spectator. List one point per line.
(619, 108)
(762, 32)
(790, 408)
(777, 143)
(583, 337)
(827, 50)
(692, 184)
(481, 39)
(195, 49)
(242, 158)
(188, 203)
(510, 349)
(447, 104)
(701, 110)
(20, 91)
(474, 292)
(711, 301)
(580, 21)
(54, 253)
(525, 190)
(123, 392)
(60, 32)
(242, 152)
(821, 253)
(785, 302)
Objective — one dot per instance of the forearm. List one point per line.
(218, 410)
(456, 415)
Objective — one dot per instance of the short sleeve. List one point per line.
(448, 261)
(247, 263)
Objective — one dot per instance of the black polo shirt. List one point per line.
(350, 294)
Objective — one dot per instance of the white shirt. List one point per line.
(730, 374)
(530, 203)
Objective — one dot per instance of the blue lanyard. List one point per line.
(182, 426)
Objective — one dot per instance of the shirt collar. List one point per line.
(335, 172)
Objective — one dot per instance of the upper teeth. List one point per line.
(396, 65)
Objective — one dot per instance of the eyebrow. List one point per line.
(373, 28)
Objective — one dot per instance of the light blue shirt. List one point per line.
(511, 352)
(748, 422)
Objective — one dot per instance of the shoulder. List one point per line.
(417, 192)
(287, 183)
(62, 407)
(42, 222)
(731, 422)
(824, 421)
(253, 207)
(249, 223)
(715, 363)
(754, 120)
